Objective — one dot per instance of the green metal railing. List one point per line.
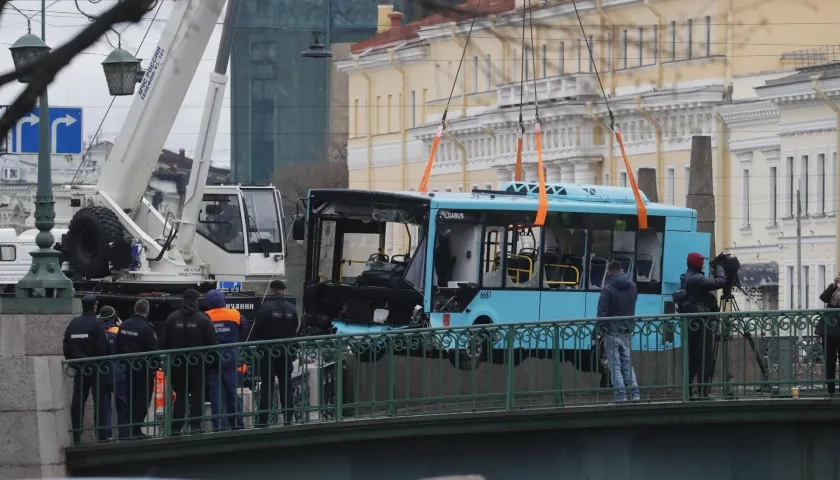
(520, 366)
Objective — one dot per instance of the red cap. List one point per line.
(695, 260)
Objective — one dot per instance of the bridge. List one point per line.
(502, 401)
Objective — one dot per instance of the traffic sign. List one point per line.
(228, 285)
(66, 132)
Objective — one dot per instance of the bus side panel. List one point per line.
(677, 247)
(680, 224)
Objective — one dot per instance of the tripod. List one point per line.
(723, 336)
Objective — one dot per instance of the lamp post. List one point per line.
(45, 281)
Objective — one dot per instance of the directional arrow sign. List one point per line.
(65, 132)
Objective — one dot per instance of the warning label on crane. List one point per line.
(154, 65)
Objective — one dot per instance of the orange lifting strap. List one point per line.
(424, 182)
(640, 205)
(542, 208)
(517, 173)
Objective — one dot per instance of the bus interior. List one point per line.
(350, 276)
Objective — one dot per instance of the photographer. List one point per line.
(828, 331)
(701, 331)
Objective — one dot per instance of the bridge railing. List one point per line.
(675, 358)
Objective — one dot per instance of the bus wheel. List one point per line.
(470, 358)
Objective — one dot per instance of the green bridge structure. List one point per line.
(511, 401)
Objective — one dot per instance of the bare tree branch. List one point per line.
(45, 71)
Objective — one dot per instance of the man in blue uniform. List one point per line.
(85, 338)
(116, 377)
(136, 336)
(276, 319)
(225, 380)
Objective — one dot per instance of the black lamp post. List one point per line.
(316, 48)
(122, 72)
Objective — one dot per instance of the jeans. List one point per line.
(618, 361)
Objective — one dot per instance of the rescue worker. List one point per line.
(136, 336)
(224, 381)
(701, 331)
(85, 338)
(188, 327)
(115, 376)
(276, 319)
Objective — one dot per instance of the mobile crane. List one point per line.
(118, 245)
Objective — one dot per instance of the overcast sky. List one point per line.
(82, 83)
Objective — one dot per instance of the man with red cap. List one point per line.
(701, 331)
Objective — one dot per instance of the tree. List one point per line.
(44, 71)
(295, 180)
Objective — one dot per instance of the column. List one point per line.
(553, 173)
(585, 173)
(567, 173)
(505, 175)
(529, 172)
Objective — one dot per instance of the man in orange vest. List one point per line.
(229, 324)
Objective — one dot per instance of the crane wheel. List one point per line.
(88, 241)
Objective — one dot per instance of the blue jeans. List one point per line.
(618, 361)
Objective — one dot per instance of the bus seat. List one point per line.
(626, 262)
(569, 274)
(597, 272)
(519, 268)
(553, 271)
(645, 267)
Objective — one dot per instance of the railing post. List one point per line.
(339, 379)
(167, 395)
(392, 381)
(510, 397)
(685, 381)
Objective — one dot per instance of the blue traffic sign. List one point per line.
(228, 285)
(66, 132)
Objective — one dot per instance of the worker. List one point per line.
(115, 376)
(224, 382)
(188, 327)
(136, 336)
(85, 338)
(276, 319)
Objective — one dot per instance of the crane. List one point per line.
(225, 232)
(116, 241)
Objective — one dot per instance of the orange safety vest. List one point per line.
(233, 318)
(113, 330)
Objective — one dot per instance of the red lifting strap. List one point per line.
(517, 174)
(640, 205)
(424, 182)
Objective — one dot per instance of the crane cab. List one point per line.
(240, 232)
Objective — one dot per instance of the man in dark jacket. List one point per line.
(701, 331)
(276, 319)
(828, 332)
(189, 328)
(136, 336)
(115, 376)
(224, 381)
(618, 299)
(85, 338)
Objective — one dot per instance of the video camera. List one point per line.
(731, 265)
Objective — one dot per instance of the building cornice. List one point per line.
(748, 111)
(748, 145)
(809, 126)
(404, 53)
(798, 91)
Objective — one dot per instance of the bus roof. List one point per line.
(518, 196)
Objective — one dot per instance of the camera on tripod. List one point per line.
(731, 265)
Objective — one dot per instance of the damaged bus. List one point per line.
(378, 261)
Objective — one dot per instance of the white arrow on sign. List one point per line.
(65, 120)
(31, 119)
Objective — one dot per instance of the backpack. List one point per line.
(681, 298)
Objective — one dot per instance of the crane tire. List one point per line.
(87, 244)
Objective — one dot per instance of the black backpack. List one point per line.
(681, 298)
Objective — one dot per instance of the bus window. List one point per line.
(326, 250)
(649, 259)
(563, 257)
(456, 254)
(523, 246)
(491, 257)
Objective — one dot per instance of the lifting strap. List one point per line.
(542, 202)
(517, 173)
(542, 205)
(424, 182)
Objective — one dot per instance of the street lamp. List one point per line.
(122, 72)
(316, 48)
(44, 281)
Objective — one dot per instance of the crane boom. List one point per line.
(160, 95)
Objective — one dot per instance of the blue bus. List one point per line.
(477, 258)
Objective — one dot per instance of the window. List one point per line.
(821, 184)
(708, 36)
(489, 72)
(378, 115)
(606, 179)
(789, 280)
(11, 174)
(589, 53)
(561, 59)
(608, 63)
(220, 222)
(356, 117)
(423, 105)
(624, 49)
(8, 253)
(388, 127)
(806, 283)
(669, 185)
(673, 41)
(803, 197)
(412, 109)
(510, 250)
(447, 189)
(745, 199)
(655, 44)
(641, 46)
(437, 80)
(543, 62)
(821, 278)
(517, 71)
(527, 58)
(690, 39)
(773, 196)
(790, 188)
(475, 75)
(580, 55)
(622, 179)
(686, 182)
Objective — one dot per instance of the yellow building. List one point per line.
(666, 67)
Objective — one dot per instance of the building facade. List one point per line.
(669, 70)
